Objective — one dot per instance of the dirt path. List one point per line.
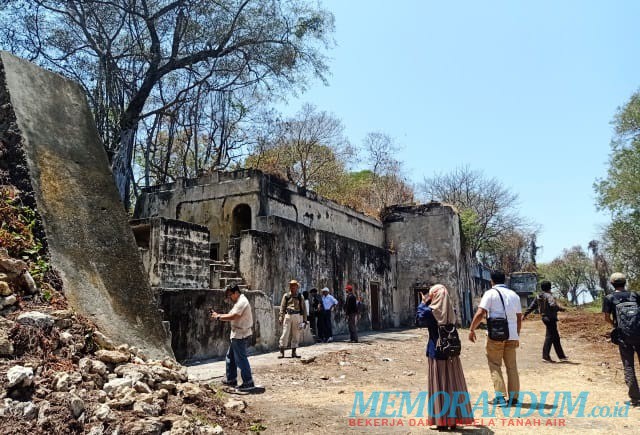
(318, 397)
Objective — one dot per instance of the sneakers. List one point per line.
(547, 360)
(329, 340)
(229, 383)
(246, 387)
(565, 359)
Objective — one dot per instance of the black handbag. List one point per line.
(498, 327)
(448, 344)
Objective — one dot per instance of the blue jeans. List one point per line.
(237, 359)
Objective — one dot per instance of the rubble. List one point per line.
(37, 319)
(60, 374)
(70, 378)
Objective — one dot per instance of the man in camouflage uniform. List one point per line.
(293, 318)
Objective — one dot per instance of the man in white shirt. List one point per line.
(241, 330)
(328, 302)
(491, 306)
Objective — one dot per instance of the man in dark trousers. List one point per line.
(315, 306)
(620, 309)
(548, 307)
(351, 307)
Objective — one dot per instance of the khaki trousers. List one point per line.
(290, 330)
(498, 351)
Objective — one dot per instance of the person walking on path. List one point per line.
(621, 310)
(501, 302)
(293, 318)
(328, 302)
(351, 308)
(548, 307)
(241, 321)
(445, 375)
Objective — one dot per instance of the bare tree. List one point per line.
(389, 186)
(600, 264)
(121, 51)
(308, 149)
(488, 209)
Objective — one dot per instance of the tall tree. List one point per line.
(488, 208)
(619, 191)
(601, 264)
(122, 51)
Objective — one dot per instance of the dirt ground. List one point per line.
(318, 397)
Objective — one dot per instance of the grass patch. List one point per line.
(257, 427)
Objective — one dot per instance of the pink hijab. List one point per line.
(441, 305)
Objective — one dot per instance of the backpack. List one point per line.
(628, 320)
(448, 344)
(287, 298)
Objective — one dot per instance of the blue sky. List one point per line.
(524, 91)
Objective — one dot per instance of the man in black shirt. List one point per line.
(627, 350)
(548, 307)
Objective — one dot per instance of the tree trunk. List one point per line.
(121, 166)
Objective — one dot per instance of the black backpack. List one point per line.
(448, 344)
(628, 320)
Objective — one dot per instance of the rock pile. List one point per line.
(60, 375)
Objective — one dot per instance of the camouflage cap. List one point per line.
(618, 278)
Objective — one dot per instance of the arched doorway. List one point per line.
(241, 219)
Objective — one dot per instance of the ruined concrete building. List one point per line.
(196, 235)
(200, 234)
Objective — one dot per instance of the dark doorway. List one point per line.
(241, 219)
(214, 249)
(375, 305)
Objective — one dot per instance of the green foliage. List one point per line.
(619, 192)
(258, 427)
(16, 227)
(46, 295)
(572, 273)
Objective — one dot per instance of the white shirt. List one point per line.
(328, 301)
(242, 326)
(491, 302)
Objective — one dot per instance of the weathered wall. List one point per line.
(175, 253)
(299, 205)
(88, 235)
(315, 258)
(210, 201)
(195, 337)
(428, 245)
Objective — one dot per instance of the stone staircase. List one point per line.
(224, 273)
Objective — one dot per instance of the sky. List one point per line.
(524, 91)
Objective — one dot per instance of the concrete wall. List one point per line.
(428, 245)
(210, 201)
(175, 253)
(195, 337)
(286, 250)
(45, 118)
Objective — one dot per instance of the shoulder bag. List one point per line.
(498, 327)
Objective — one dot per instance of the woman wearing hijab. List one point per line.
(445, 375)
